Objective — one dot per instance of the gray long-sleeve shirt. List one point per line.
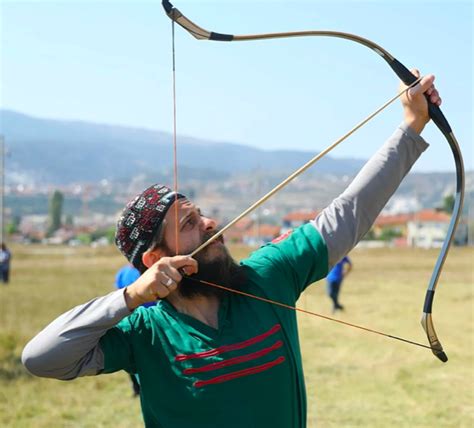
(69, 346)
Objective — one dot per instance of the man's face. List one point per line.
(186, 229)
(185, 221)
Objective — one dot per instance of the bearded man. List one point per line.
(206, 357)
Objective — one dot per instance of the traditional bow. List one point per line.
(434, 111)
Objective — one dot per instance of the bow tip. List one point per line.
(442, 356)
(167, 6)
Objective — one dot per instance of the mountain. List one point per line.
(46, 151)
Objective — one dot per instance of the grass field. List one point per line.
(353, 378)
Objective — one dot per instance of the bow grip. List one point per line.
(433, 110)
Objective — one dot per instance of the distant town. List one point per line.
(86, 214)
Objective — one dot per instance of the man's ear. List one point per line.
(150, 257)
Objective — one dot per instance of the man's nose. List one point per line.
(208, 223)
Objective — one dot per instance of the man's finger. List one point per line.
(160, 291)
(434, 96)
(425, 83)
(174, 274)
(182, 261)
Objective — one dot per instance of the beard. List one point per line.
(216, 266)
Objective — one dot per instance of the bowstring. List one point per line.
(316, 314)
(175, 146)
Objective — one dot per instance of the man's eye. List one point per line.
(190, 222)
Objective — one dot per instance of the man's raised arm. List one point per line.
(350, 216)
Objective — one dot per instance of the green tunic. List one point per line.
(248, 372)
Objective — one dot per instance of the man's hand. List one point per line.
(159, 280)
(415, 105)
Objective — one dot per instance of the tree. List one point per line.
(13, 225)
(84, 238)
(69, 220)
(390, 234)
(448, 204)
(55, 212)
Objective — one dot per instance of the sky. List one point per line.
(110, 62)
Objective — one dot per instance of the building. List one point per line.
(249, 232)
(426, 228)
(392, 228)
(261, 234)
(298, 218)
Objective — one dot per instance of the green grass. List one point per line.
(353, 378)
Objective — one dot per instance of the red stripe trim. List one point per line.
(227, 348)
(240, 373)
(235, 360)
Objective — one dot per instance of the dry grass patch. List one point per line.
(354, 379)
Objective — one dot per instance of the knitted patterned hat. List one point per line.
(141, 220)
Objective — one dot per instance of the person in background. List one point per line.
(5, 257)
(125, 276)
(334, 281)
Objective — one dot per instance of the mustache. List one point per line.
(209, 235)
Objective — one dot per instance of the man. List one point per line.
(334, 281)
(126, 275)
(206, 357)
(5, 257)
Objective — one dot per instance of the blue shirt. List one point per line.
(128, 275)
(336, 273)
(5, 256)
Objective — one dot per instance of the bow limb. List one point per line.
(434, 111)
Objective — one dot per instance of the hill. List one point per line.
(61, 152)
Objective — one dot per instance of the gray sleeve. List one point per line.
(68, 347)
(349, 217)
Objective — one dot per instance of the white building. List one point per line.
(428, 229)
